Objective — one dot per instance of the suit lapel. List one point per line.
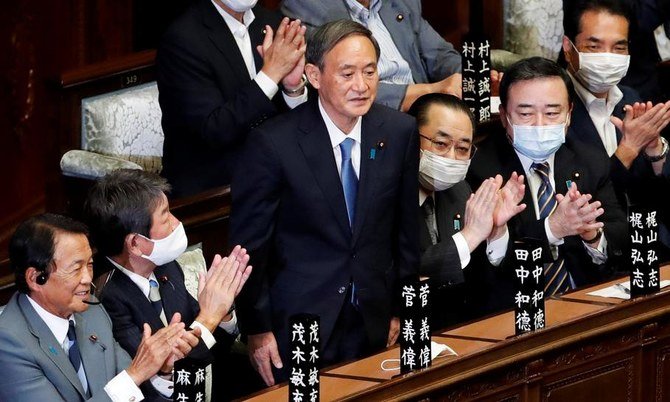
(133, 293)
(371, 135)
(91, 352)
(172, 300)
(257, 34)
(315, 145)
(49, 345)
(510, 163)
(585, 132)
(564, 169)
(223, 40)
(447, 206)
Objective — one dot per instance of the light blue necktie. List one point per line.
(156, 302)
(349, 179)
(350, 187)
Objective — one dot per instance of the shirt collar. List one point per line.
(614, 95)
(337, 135)
(237, 28)
(526, 162)
(58, 325)
(360, 13)
(423, 195)
(139, 280)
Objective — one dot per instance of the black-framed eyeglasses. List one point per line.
(462, 150)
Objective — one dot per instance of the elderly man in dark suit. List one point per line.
(326, 204)
(572, 207)
(56, 343)
(454, 222)
(214, 86)
(138, 240)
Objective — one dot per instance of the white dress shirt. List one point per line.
(337, 136)
(240, 32)
(600, 111)
(393, 68)
(120, 388)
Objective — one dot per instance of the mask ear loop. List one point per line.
(392, 368)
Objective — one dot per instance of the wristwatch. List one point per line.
(660, 156)
(298, 89)
(597, 237)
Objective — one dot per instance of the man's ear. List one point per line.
(132, 244)
(503, 116)
(569, 53)
(313, 75)
(31, 279)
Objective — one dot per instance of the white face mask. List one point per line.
(240, 6)
(437, 173)
(168, 248)
(538, 142)
(599, 72)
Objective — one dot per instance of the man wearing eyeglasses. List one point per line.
(455, 222)
(572, 208)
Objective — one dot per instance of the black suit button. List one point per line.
(342, 289)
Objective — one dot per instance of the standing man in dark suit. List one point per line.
(454, 222)
(56, 343)
(326, 203)
(415, 60)
(611, 117)
(214, 86)
(138, 240)
(574, 213)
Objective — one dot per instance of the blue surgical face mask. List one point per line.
(538, 142)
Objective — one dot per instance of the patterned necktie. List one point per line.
(546, 197)
(349, 179)
(75, 356)
(428, 208)
(556, 277)
(155, 298)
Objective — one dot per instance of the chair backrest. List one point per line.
(125, 124)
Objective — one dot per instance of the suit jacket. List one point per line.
(637, 185)
(496, 155)
(129, 308)
(451, 301)
(440, 261)
(208, 101)
(289, 211)
(430, 57)
(35, 367)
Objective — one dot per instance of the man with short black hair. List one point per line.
(612, 117)
(139, 240)
(574, 211)
(55, 342)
